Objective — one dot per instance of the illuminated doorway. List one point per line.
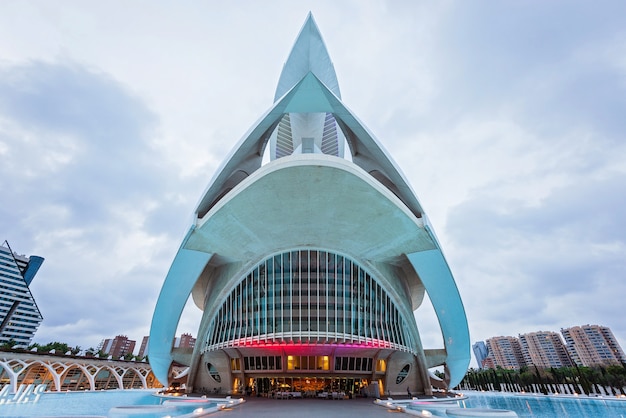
(308, 386)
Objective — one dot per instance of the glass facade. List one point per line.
(308, 296)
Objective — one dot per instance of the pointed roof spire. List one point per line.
(308, 54)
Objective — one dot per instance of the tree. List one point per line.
(56, 346)
(527, 378)
(617, 377)
(496, 380)
(8, 345)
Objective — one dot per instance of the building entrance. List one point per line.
(280, 387)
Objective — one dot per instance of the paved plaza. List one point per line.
(307, 408)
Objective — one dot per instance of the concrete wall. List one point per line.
(204, 383)
(395, 363)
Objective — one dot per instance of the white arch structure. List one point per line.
(308, 197)
(75, 373)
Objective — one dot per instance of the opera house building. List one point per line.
(308, 256)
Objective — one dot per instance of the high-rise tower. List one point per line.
(480, 353)
(19, 314)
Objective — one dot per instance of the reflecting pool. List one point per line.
(100, 404)
(117, 404)
(543, 406)
(79, 403)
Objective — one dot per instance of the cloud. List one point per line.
(80, 131)
(518, 160)
(505, 117)
(84, 181)
(554, 264)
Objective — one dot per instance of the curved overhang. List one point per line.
(308, 200)
(183, 273)
(434, 272)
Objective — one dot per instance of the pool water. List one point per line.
(545, 406)
(99, 404)
(79, 403)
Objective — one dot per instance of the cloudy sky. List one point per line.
(508, 118)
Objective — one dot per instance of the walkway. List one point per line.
(306, 408)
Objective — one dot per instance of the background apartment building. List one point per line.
(118, 346)
(143, 348)
(505, 352)
(590, 345)
(587, 345)
(184, 341)
(19, 314)
(544, 349)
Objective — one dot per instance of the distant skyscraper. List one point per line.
(118, 346)
(480, 353)
(544, 349)
(593, 345)
(19, 314)
(505, 352)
